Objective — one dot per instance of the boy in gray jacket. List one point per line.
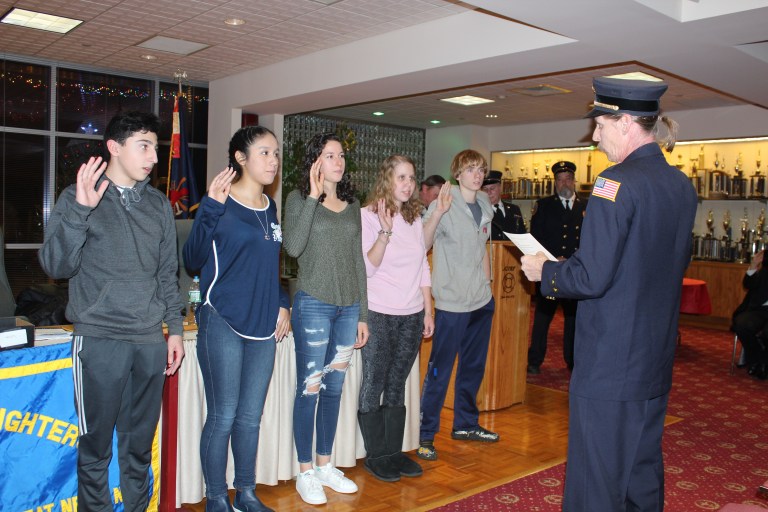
(458, 223)
(113, 236)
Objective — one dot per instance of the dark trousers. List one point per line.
(747, 325)
(466, 335)
(117, 385)
(388, 357)
(545, 310)
(614, 455)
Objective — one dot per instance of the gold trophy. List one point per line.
(710, 224)
(743, 245)
(727, 225)
(745, 226)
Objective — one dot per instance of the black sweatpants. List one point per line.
(117, 384)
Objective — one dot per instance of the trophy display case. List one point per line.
(726, 174)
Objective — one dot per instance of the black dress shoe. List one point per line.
(761, 371)
(247, 501)
(533, 369)
(218, 504)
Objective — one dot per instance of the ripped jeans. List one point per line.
(324, 336)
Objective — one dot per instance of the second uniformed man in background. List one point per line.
(556, 223)
(506, 217)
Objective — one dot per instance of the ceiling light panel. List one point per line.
(637, 75)
(40, 21)
(467, 100)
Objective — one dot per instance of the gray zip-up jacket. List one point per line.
(459, 283)
(121, 261)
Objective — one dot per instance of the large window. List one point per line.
(23, 172)
(26, 95)
(41, 148)
(85, 102)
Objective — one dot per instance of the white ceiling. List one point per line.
(711, 52)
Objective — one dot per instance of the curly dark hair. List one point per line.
(344, 190)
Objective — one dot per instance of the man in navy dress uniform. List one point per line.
(556, 223)
(506, 217)
(628, 273)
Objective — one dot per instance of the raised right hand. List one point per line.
(444, 199)
(219, 189)
(87, 176)
(385, 216)
(316, 179)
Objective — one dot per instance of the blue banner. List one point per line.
(182, 188)
(39, 433)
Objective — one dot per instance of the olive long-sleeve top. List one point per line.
(328, 246)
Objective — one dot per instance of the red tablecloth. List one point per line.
(695, 297)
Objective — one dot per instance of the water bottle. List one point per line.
(193, 300)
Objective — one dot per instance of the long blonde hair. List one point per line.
(385, 185)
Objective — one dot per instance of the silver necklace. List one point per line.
(266, 219)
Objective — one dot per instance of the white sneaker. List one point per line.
(310, 489)
(331, 477)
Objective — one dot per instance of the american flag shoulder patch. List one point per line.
(605, 188)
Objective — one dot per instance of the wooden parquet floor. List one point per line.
(533, 437)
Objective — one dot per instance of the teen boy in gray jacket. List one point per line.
(113, 236)
(459, 224)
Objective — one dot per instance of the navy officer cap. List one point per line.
(492, 177)
(621, 96)
(563, 166)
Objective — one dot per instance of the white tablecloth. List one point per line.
(276, 458)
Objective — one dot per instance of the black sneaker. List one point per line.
(476, 434)
(533, 369)
(426, 451)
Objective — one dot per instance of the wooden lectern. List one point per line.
(505, 370)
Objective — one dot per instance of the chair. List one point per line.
(7, 301)
(738, 507)
(762, 491)
(742, 360)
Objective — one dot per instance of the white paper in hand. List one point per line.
(529, 245)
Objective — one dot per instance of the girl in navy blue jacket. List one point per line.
(235, 241)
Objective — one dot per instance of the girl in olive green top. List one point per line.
(330, 308)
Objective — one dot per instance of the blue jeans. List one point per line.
(236, 374)
(324, 336)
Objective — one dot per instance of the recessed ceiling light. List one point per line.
(148, 57)
(636, 75)
(467, 100)
(40, 21)
(235, 22)
(377, 113)
(435, 121)
(171, 45)
(491, 116)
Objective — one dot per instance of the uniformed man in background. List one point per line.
(556, 223)
(506, 216)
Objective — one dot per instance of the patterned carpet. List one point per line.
(716, 455)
